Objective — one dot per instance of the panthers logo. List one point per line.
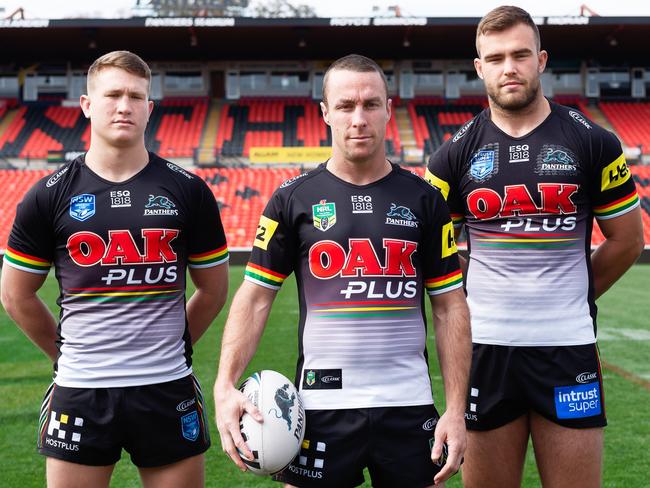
(400, 212)
(160, 202)
(284, 403)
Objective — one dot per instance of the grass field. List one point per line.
(624, 329)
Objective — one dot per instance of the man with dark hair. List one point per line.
(368, 242)
(527, 177)
(121, 226)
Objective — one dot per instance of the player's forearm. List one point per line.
(612, 259)
(36, 321)
(242, 333)
(453, 343)
(202, 308)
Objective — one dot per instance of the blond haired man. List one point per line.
(121, 226)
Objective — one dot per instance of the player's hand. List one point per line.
(450, 429)
(230, 405)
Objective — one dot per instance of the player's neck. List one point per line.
(518, 123)
(359, 172)
(116, 163)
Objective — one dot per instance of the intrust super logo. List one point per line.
(577, 401)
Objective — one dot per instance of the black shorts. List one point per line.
(394, 443)
(561, 383)
(157, 424)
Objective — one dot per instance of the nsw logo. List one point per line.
(190, 426)
(482, 165)
(82, 207)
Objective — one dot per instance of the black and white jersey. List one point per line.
(365, 257)
(528, 204)
(120, 253)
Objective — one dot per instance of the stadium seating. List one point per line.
(435, 119)
(174, 129)
(242, 194)
(275, 122)
(631, 120)
(176, 125)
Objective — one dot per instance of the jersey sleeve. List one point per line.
(612, 186)
(274, 247)
(31, 242)
(442, 271)
(207, 244)
(440, 175)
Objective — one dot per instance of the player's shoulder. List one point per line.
(579, 123)
(413, 182)
(173, 171)
(299, 182)
(466, 135)
(56, 181)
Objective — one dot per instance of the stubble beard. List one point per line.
(509, 103)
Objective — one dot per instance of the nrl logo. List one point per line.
(324, 215)
(310, 378)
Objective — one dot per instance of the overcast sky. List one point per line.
(52, 9)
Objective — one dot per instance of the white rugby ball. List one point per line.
(275, 442)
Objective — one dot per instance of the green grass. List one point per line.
(624, 327)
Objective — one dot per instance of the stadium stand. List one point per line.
(435, 120)
(37, 128)
(276, 122)
(242, 194)
(631, 120)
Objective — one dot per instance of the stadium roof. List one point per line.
(603, 40)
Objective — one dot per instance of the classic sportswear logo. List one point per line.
(461, 132)
(54, 179)
(430, 424)
(180, 170)
(185, 404)
(585, 377)
(579, 118)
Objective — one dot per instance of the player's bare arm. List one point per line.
(23, 305)
(622, 246)
(246, 321)
(453, 343)
(461, 259)
(208, 299)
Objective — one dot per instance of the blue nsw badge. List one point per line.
(482, 165)
(190, 426)
(82, 207)
(578, 401)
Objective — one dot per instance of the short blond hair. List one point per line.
(503, 18)
(126, 60)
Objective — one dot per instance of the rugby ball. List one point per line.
(275, 442)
